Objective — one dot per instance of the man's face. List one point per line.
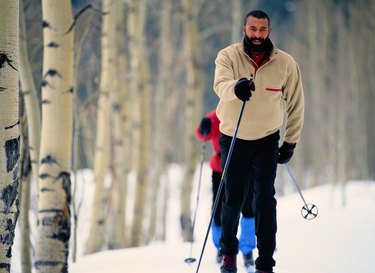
(257, 30)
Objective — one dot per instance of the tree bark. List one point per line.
(54, 195)
(116, 238)
(142, 136)
(24, 197)
(237, 18)
(193, 109)
(30, 97)
(9, 128)
(158, 154)
(97, 238)
(32, 106)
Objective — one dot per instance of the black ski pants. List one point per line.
(247, 209)
(252, 168)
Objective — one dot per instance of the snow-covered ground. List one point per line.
(340, 240)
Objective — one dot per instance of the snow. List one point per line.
(340, 239)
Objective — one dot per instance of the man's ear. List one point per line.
(243, 30)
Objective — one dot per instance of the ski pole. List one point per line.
(217, 199)
(191, 259)
(308, 211)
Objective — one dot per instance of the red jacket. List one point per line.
(214, 136)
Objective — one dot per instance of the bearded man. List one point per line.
(242, 68)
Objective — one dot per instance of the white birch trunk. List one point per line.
(140, 68)
(160, 134)
(33, 140)
(116, 227)
(24, 197)
(52, 243)
(193, 111)
(30, 97)
(96, 238)
(9, 128)
(237, 18)
(142, 184)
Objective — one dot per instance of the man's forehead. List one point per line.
(258, 22)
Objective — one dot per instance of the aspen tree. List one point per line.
(24, 197)
(53, 229)
(139, 78)
(158, 154)
(193, 110)
(32, 107)
(96, 239)
(9, 128)
(116, 223)
(30, 97)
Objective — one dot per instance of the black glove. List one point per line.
(285, 152)
(205, 126)
(243, 89)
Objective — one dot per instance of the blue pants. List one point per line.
(247, 239)
(247, 236)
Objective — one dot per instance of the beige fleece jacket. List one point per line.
(278, 90)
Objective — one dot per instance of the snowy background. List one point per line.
(340, 240)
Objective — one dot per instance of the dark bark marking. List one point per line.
(65, 176)
(66, 184)
(45, 102)
(8, 239)
(45, 24)
(80, 13)
(44, 176)
(46, 190)
(12, 151)
(61, 220)
(52, 73)
(46, 83)
(15, 173)
(13, 125)
(9, 252)
(47, 221)
(116, 107)
(2, 89)
(65, 268)
(26, 165)
(69, 91)
(50, 210)
(39, 264)
(4, 59)
(5, 266)
(63, 234)
(48, 160)
(53, 45)
(9, 196)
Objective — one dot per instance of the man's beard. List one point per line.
(253, 47)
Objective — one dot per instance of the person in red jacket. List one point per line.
(208, 130)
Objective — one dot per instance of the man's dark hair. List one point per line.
(257, 14)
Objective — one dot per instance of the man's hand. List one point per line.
(243, 88)
(285, 152)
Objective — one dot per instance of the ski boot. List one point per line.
(229, 264)
(219, 257)
(249, 262)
